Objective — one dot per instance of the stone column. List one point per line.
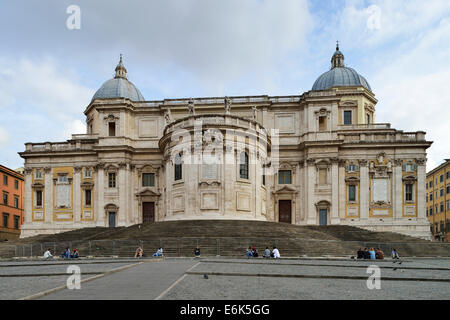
(48, 194)
(421, 177)
(364, 189)
(122, 189)
(76, 185)
(397, 200)
(28, 204)
(100, 215)
(300, 194)
(342, 187)
(335, 191)
(311, 182)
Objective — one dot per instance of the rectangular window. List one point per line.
(426, 198)
(62, 178)
(352, 167)
(38, 174)
(5, 179)
(284, 177)
(16, 202)
(442, 207)
(322, 123)
(87, 173)
(441, 192)
(352, 192)
(368, 118)
(112, 129)
(441, 178)
(16, 222)
(410, 167)
(5, 198)
(322, 176)
(409, 192)
(5, 220)
(448, 189)
(427, 212)
(448, 205)
(148, 179)
(347, 117)
(431, 196)
(447, 175)
(16, 184)
(38, 198)
(264, 176)
(431, 183)
(111, 180)
(87, 197)
(431, 211)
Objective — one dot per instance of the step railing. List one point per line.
(182, 247)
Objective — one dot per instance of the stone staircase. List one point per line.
(224, 238)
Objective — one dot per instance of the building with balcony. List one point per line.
(318, 158)
(437, 189)
(12, 203)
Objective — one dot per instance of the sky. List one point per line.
(51, 62)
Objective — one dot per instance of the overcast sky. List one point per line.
(202, 48)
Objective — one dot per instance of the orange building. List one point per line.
(11, 203)
(438, 201)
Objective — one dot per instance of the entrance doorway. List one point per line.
(284, 211)
(323, 217)
(112, 219)
(148, 212)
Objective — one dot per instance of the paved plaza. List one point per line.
(237, 279)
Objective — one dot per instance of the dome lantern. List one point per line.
(121, 72)
(337, 60)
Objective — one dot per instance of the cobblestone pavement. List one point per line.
(143, 282)
(19, 287)
(247, 286)
(255, 288)
(182, 278)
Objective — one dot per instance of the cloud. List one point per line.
(4, 137)
(73, 127)
(41, 101)
(212, 44)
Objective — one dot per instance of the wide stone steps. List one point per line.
(225, 238)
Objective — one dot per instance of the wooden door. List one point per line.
(323, 217)
(148, 212)
(284, 211)
(112, 219)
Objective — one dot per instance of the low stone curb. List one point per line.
(277, 275)
(331, 265)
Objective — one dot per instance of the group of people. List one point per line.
(253, 253)
(140, 253)
(375, 254)
(66, 254)
(370, 254)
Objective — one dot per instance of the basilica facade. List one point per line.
(318, 158)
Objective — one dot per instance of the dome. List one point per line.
(119, 87)
(340, 75)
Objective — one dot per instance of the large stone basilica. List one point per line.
(317, 158)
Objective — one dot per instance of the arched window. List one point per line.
(178, 167)
(243, 165)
